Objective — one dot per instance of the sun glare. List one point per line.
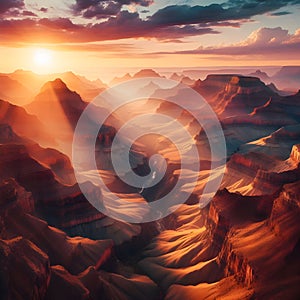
(42, 57)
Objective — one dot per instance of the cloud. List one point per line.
(280, 13)
(103, 8)
(28, 13)
(169, 23)
(275, 43)
(95, 47)
(63, 30)
(6, 5)
(228, 11)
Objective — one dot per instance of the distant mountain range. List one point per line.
(24, 85)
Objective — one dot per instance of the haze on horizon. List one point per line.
(92, 36)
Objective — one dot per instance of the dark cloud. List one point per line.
(104, 8)
(127, 25)
(60, 24)
(43, 9)
(84, 4)
(6, 5)
(280, 13)
(28, 13)
(231, 10)
(102, 11)
(62, 30)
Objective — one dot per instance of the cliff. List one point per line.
(37, 261)
(241, 95)
(25, 270)
(295, 154)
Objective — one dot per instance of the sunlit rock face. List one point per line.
(234, 95)
(212, 85)
(57, 107)
(241, 95)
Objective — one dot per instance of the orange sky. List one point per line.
(89, 37)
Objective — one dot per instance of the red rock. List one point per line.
(25, 270)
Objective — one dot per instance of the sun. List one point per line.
(42, 57)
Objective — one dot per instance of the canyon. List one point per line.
(54, 244)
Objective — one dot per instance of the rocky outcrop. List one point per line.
(295, 154)
(236, 264)
(258, 173)
(211, 86)
(28, 246)
(16, 203)
(25, 270)
(11, 193)
(87, 89)
(271, 180)
(54, 160)
(63, 285)
(263, 76)
(241, 95)
(233, 95)
(285, 210)
(57, 106)
(242, 164)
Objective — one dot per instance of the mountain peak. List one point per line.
(56, 84)
(22, 72)
(146, 73)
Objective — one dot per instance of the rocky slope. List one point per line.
(59, 109)
(28, 247)
(217, 255)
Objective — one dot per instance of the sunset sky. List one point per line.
(90, 36)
